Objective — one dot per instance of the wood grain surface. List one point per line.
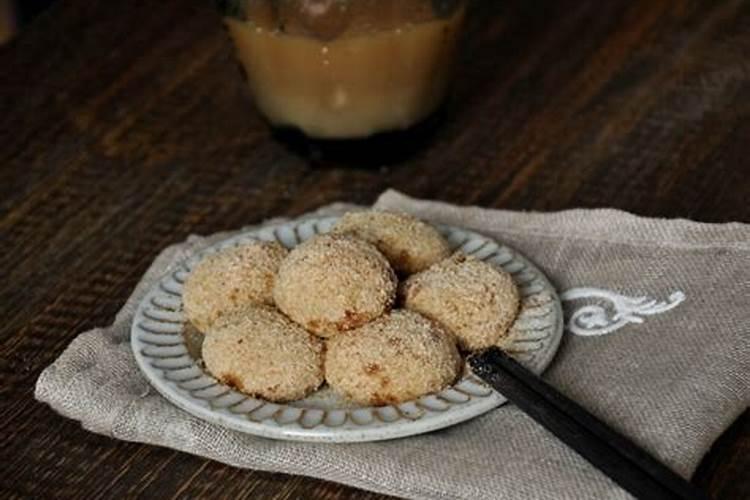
(124, 127)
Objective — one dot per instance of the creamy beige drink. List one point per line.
(353, 85)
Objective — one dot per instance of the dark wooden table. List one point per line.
(124, 127)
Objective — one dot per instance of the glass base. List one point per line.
(375, 151)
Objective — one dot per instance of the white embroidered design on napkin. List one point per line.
(595, 319)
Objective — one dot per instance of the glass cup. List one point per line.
(344, 69)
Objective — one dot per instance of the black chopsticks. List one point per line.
(619, 458)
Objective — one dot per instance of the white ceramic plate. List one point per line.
(168, 354)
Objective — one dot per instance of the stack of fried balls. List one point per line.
(378, 309)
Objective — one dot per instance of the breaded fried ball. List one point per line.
(409, 244)
(398, 357)
(333, 283)
(259, 351)
(474, 300)
(230, 279)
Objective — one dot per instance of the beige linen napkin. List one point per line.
(672, 373)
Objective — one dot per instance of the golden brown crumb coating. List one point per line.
(230, 279)
(474, 300)
(398, 357)
(409, 244)
(260, 352)
(333, 283)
